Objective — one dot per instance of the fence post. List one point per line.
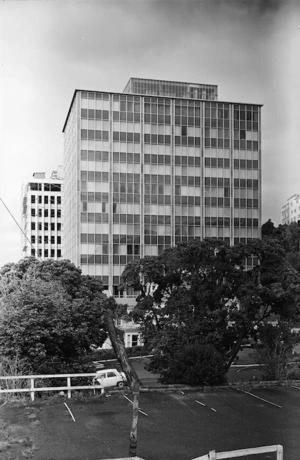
(69, 387)
(279, 452)
(212, 455)
(32, 387)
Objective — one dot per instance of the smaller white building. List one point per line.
(42, 215)
(291, 210)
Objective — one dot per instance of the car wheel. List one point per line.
(120, 384)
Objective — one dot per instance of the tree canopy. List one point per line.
(50, 313)
(206, 292)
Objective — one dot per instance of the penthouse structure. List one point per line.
(42, 215)
(160, 163)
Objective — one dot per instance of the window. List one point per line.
(45, 200)
(32, 225)
(32, 198)
(52, 199)
(33, 212)
(52, 239)
(134, 340)
(40, 240)
(183, 130)
(32, 239)
(59, 200)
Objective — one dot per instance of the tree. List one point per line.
(200, 293)
(50, 314)
(275, 351)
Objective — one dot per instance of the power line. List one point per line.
(16, 222)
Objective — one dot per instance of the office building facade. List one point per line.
(290, 212)
(160, 163)
(42, 215)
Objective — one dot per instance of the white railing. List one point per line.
(213, 455)
(32, 389)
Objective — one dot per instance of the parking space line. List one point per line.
(141, 411)
(70, 412)
(258, 397)
(198, 402)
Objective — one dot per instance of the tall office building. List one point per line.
(42, 215)
(290, 211)
(160, 163)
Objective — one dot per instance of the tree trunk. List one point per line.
(131, 375)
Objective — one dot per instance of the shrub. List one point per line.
(194, 365)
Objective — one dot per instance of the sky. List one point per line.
(48, 48)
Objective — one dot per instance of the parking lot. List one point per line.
(174, 426)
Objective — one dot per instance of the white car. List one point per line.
(110, 378)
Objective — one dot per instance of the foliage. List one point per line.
(193, 364)
(289, 238)
(50, 314)
(275, 351)
(200, 293)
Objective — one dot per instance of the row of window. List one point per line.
(46, 212)
(39, 199)
(130, 117)
(45, 239)
(225, 222)
(187, 180)
(94, 135)
(124, 157)
(129, 249)
(94, 95)
(94, 238)
(94, 176)
(46, 226)
(91, 155)
(186, 141)
(94, 197)
(225, 163)
(246, 183)
(126, 187)
(187, 200)
(245, 203)
(93, 114)
(89, 259)
(157, 199)
(46, 253)
(238, 144)
(157, 159)
(44, 187)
